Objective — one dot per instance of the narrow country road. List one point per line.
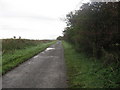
(45, 70)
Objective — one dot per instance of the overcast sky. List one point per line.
(34, 19)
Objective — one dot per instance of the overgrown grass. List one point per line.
(10, 45)
(86, 72)
(13, 58)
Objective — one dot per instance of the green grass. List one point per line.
(86, 72)
(13, 58)
(10, 45)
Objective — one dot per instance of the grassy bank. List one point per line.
(18, 51)
(86, 72)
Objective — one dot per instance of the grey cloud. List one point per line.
(39, 17)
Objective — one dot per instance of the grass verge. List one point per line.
(11, 60)
(86, 72)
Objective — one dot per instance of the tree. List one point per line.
(60, 38)
(94, 27)
(19, 37)
(14, 37)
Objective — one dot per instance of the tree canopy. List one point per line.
(94, 27)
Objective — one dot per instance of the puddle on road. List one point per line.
(35, 56)
(49, 49)
(43, 52)
(30, 62)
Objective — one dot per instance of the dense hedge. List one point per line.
(94, 29)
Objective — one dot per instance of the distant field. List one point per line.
(16, 51)
(10, 45)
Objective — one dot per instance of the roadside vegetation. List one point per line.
(84, 72)
(16, 51)
(94, 32)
